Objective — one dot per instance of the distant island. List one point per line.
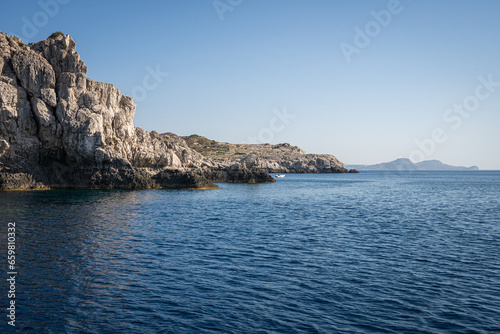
(407, 165)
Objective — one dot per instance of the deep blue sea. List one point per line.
(377, 252)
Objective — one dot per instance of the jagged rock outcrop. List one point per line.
(59, 129)
(247, 169)
(281, 158)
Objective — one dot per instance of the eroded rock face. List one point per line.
(247, 169)
(60, 129)
(281, 158)
(34, 72)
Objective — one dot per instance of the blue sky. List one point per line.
(235, 67)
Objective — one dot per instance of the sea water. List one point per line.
(376, 252)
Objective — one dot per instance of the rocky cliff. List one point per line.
(281, 158)
(60, 129)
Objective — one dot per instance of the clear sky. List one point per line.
(367, 81)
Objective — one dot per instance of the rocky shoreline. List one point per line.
(60, 129)
(280, 158)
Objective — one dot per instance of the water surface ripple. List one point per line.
(414, 252)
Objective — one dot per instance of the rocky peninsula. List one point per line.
(60, 129)
(280, 158)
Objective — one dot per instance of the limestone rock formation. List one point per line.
(281, 158)
(247, 169)
(59, 129)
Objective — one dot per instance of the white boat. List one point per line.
(280, 175)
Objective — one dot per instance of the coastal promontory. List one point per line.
(279, 158)
(60, 129)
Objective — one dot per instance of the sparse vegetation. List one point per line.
(220, 150)
(204, 141)
(56, 34)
